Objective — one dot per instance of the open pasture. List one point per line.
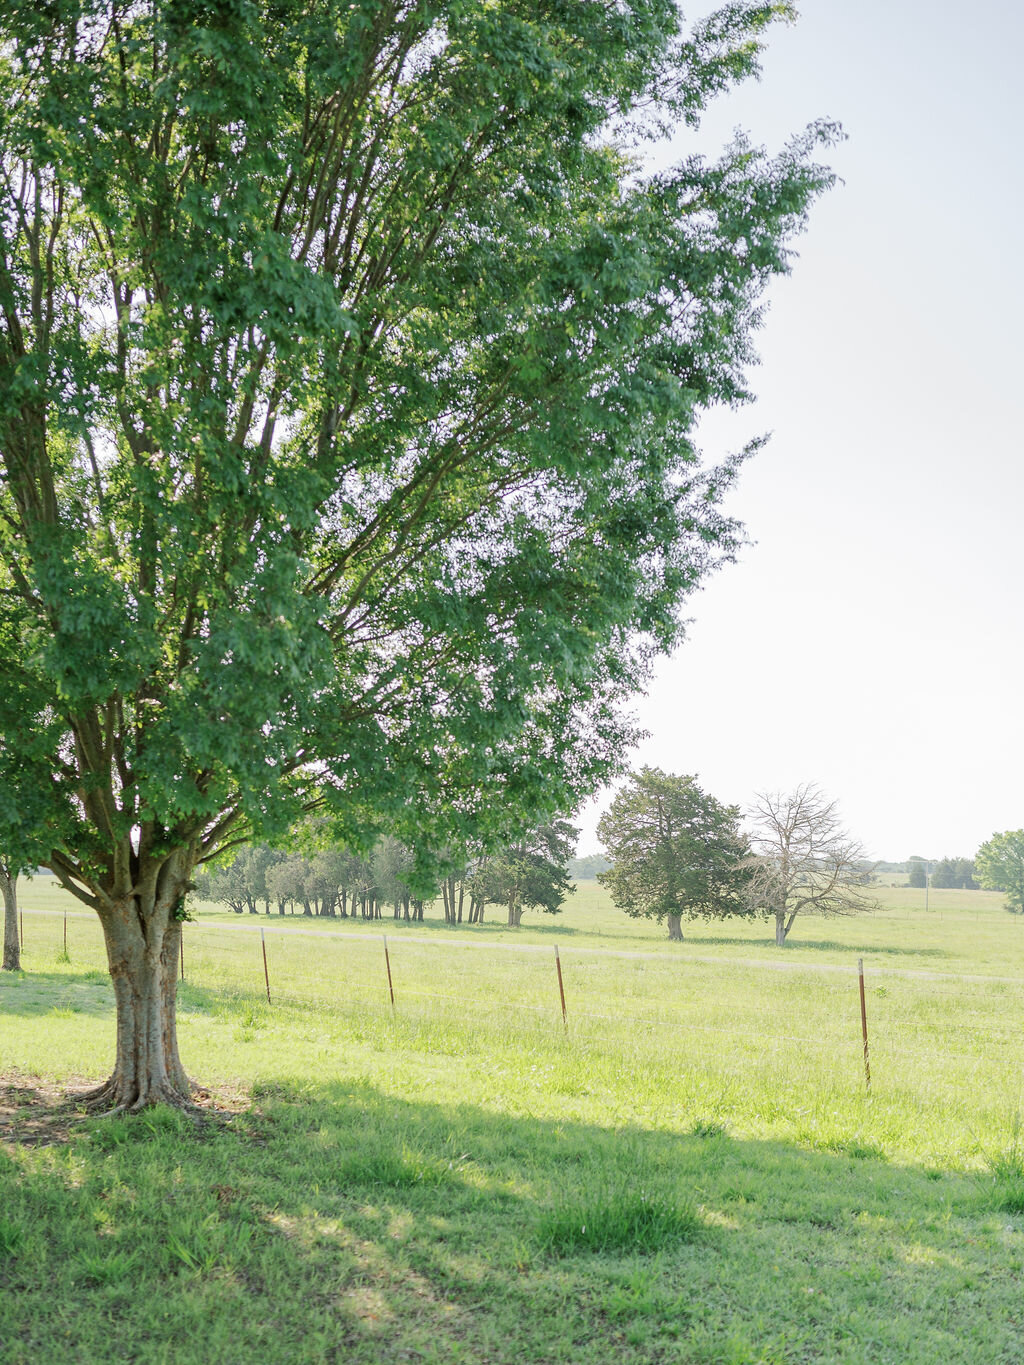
(692, 1170)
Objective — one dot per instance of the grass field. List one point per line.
(691, 1170)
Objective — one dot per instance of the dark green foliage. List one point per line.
(626, 1221)
(676, 851)
(530, 873)
(918, 872)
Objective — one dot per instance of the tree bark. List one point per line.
(781, 930)
(143, 941)
(12, 943)
(675, 931)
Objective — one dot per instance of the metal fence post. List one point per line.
(864, 1023)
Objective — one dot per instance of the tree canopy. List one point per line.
(531, 872)
(349, 362)
(999, 865)
(676, 851)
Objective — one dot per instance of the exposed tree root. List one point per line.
(113, 1098)
(38, 1112)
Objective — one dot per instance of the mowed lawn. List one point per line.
(690, 1168)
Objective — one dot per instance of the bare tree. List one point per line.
(804, 859)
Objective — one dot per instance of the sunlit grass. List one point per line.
(693, 1170)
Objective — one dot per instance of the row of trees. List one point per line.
(946, 874)
(678, 853)
(329, 882)
(528, 873)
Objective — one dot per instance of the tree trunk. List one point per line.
(781, 930)
(675, 931)
(143, 941)
(12, 944)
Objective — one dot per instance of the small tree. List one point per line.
(805, 860)
(675, 851)
(918, 873)
(531, 872)
(1000, 867)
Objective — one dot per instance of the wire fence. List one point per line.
(877, 1024)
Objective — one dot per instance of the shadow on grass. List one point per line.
(65, 994)
(336, 1223)
(818, 944)
(56, 993)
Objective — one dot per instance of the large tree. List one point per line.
(806, 861)
(676, 851)
(999, 866)
(349, 362)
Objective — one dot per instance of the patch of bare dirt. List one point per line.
(35, 1112)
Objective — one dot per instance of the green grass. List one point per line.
(691, 1172)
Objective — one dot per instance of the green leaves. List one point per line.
(349, 366)
(675, 850)
(1000, 866)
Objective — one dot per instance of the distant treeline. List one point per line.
(943, 873)
(946, 874)
(587, 868)
(529, 874)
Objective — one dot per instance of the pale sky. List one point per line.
(871, 640)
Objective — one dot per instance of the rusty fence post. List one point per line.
(864, 1023)
(561, 989)
(65, 933)
(21, 923)
(266, 974)
(387, 964)
(182, 952)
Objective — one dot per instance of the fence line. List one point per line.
(291, 927)
(889, 1047)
